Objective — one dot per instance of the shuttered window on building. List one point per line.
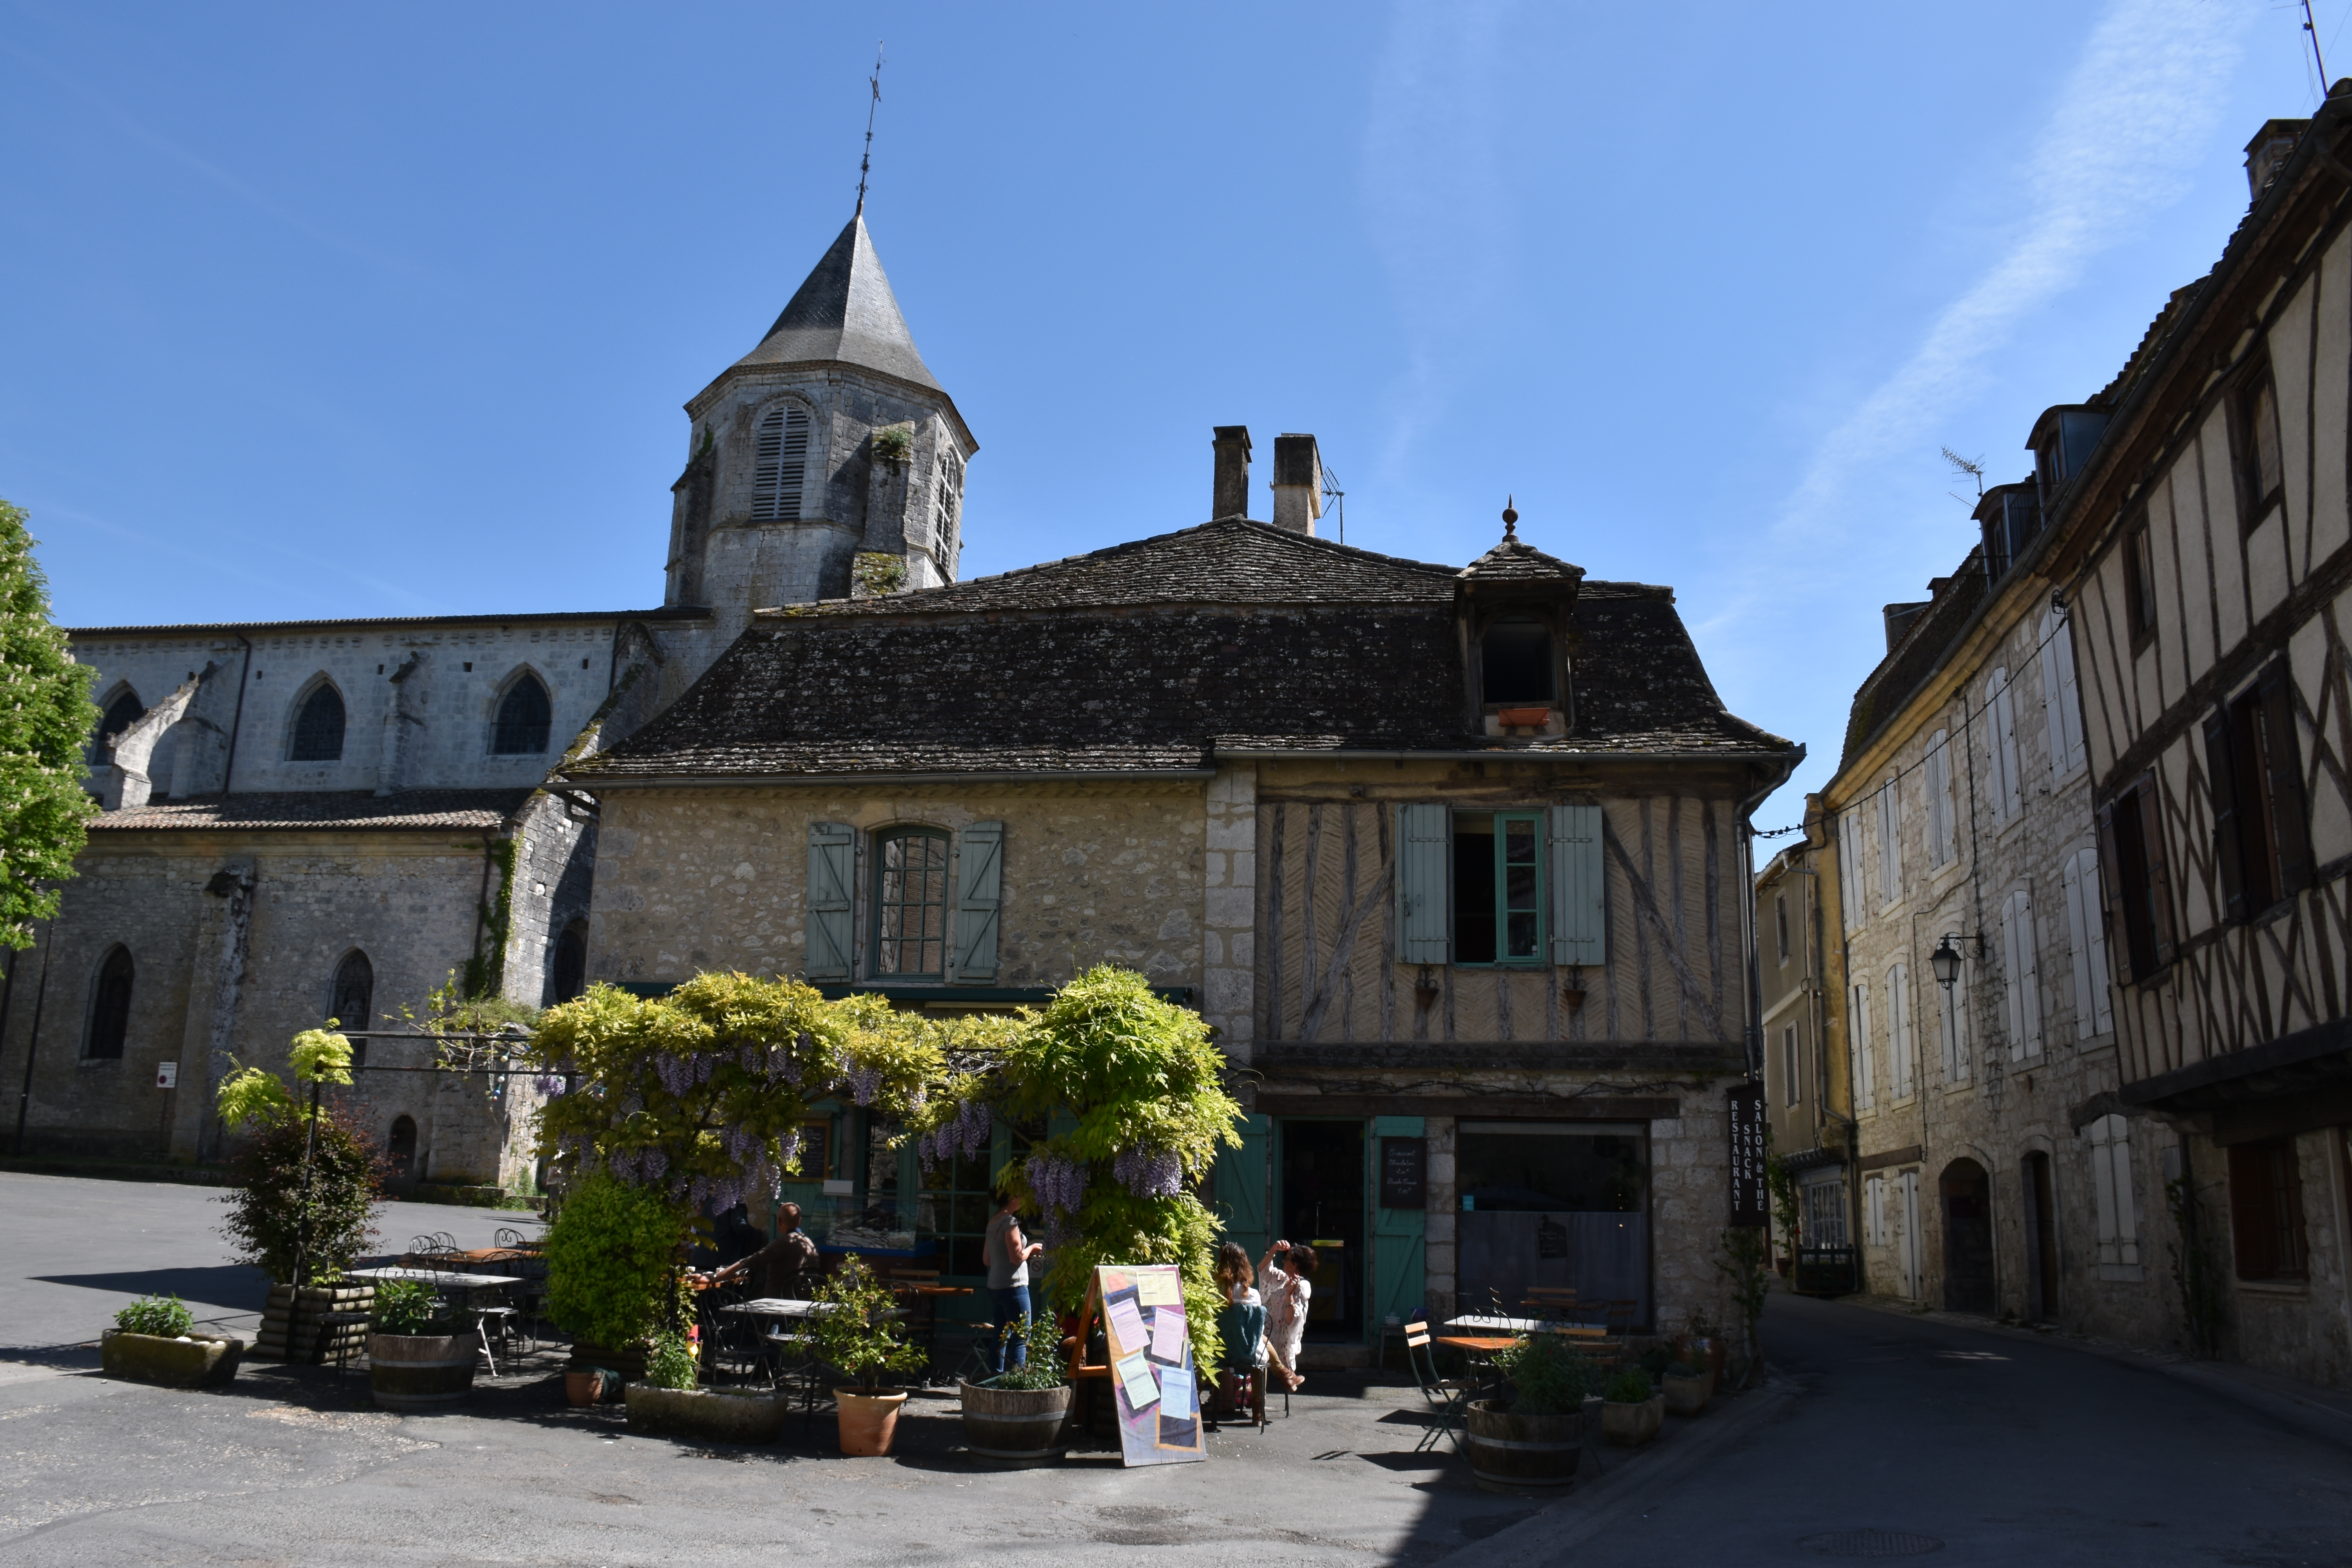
(1579, 930)
(2021, 976)
(980, 873)
(1424, 849)
(2087, 941)
(2061, 702)
(1940, 844)
(1901, 1059)
(831, 881)
(780, 464)
(2112, 1195)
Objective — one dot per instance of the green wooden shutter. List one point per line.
(1424, 839)
(833, 873)
(1238, 1186)
(1579, 930)
(980, 877)
(1399, 1270)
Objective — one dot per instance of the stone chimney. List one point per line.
(1233, 445)
(2269, 149)
(1297, 483)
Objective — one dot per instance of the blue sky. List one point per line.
(311, 312)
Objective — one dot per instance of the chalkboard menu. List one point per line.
(1404, 1173)
(1748, 1206)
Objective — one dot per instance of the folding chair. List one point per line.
(1445, 1395)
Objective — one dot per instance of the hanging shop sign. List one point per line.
(1749, 1205)
(1404, 1173)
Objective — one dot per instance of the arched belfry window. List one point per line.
(779, 465)
(910, 902)
(318, 727)
(110, 1007)
(121, 714)
(524, 718)
(568, 974)
(1516, 662)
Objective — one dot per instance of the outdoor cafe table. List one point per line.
(439, 1278)
(1479, 1323)
(1480, 1348)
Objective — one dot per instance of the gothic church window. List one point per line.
(109, 1007)
(318, 727)
(780, 464)
(910, 903)
(121, 714)
(525, 716)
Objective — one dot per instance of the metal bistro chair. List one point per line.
(1445, 1396)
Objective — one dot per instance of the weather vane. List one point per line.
(865, 163)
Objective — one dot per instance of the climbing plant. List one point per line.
(46, 720)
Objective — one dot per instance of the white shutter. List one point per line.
(1956, 1048)
(1890, 844)
(1424, 841)
(980, 872)
(1851, 897)
(2078, 949)
(2126, 1207)
(1939, 800)
(1873, 1210)
(2029, 973)
(2061, 702)
(1580, 931)
(1864, 1090)
(1898, 1030)
(2103, 1007)
(2006, 785)
(833, 873)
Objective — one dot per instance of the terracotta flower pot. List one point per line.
(589, 1386)
(868, 1421)
(1511, 1453)
(1631, 1426)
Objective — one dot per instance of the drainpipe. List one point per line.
(237, 720)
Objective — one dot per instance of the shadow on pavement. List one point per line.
(235, 1286)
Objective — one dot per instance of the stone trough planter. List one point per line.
(1016, 1424)
(707, 1414)
(1533, 1454)
(192, 1361)
(1631, 1426)
(420, 1372)
(1688, 1395)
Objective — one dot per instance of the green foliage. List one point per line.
(319, 1055)
(167, 1317)
(671, 1362)
(451, 1009)
(46, 720)
(1631, 1386)
(2195, 1272)
(486, 971)
(893, 443)
(1043, 1366)
(269, 1210)
(410, 1307)
(1740, 1258)
(1788, 1213)
(876, 573)
(1656, 1362)
(612, 1255)
(857, 1331)
(252, 1098)
(1686, 1369)
(1548, 1375)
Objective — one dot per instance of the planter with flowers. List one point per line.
(858, 1330)
(669, 1403)
(1532, 1443)
(1018, 1417)
(153, 1341)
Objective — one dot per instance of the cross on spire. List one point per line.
(865, 163)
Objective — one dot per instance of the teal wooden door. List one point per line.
(1239, 1186)
(1397, 1234)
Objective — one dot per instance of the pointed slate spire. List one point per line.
(845, 314)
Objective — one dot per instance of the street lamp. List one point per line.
(1946, 962)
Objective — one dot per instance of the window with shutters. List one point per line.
(122, 711)
(525, 719)
(1942, 837)
(2140, 584)
(2137, 880)
(910, 904)
(1952, 1023)
(2020, 981)
(1498, 886)
(2254, 442)
(2087, 940)
(1792, 1077)
(1890, 844)
(1873, 1210)
(1501, 887)
(318, 726)
(110, 1007)
(2115, 1197)
(1901, 1054)
(947, 502)
(2253, 771)
(1864, 1045)
(1851, 897)
(2061, 699)
(1780, 925)
(2266, 1226)
(2001, 778)
(779, 463)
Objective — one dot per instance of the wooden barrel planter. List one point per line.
(1512, 1453)
(1016, 1424)
(190, 1361)
(420, 1372)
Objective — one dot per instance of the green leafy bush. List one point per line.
(167, 1317)
(46, 720)
(611, 1256)
(410, 1307)
(1548, 1375)
(856, 1329)
(671, 1364)
(1043, 1367)
(1631, 1386)
(272, 1213)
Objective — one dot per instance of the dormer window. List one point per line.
(1516, 663)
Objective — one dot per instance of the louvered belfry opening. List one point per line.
(782, 464)
(319, 728)
(524, 720)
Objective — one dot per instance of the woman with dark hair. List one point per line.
(1287, 1291)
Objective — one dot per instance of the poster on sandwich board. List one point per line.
(1153, 1381)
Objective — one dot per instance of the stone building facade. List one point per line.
(1809, 1090)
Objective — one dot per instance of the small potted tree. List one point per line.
(1631, 1414)
(1019, 1415)
(421, 1354)
(1531, 1443)
(669, 1401)
(857, 1332)
(153, 1341)
(612, 1263)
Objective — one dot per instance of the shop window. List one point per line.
(1516, 662)
(910, 903)
(1553, 1204)
(109, 1007)
(1497, 887)
(2253, 771)
(958, 1200)
(1825, 1213)
(2266, 1211)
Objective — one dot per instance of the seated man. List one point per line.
(785, 1268)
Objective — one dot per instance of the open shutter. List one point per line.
(1579, 933)
(1399, 1278)
(833, 872)
(2222, 785)
(980, 873)
(2028, 977)
(2149, 801)
(1237, 1186)
(2289, 820)
(2111, 879)
(1425, 839)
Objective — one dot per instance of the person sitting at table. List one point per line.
(736, 1236)
(1287, 1291)
(1008, 1253)
(1236, 1280)
(785, 1268)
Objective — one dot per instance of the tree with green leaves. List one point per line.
(46, 720)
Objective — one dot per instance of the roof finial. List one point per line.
(874, 81)
(1510, 518)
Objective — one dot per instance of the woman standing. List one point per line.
(1008, 1253)
(1286, 1291)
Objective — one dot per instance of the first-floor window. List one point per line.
(1792, 1093)
(1874, 1209)
(910, 903)
(1864, 1090)
(1498, 886)
(2138, 881)
(1825, 1214)
(1901, 1060)
(2266, 1211)
(2111, 1187)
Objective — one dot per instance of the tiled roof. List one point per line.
(1515, 560)
(1156, 657)
(844, 313)
(411, 810)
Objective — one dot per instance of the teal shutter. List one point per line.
(1398, 1279)
(1424, 836)
(1238, 1187)
(980, 879)
(1580, 931)
(832, 874)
